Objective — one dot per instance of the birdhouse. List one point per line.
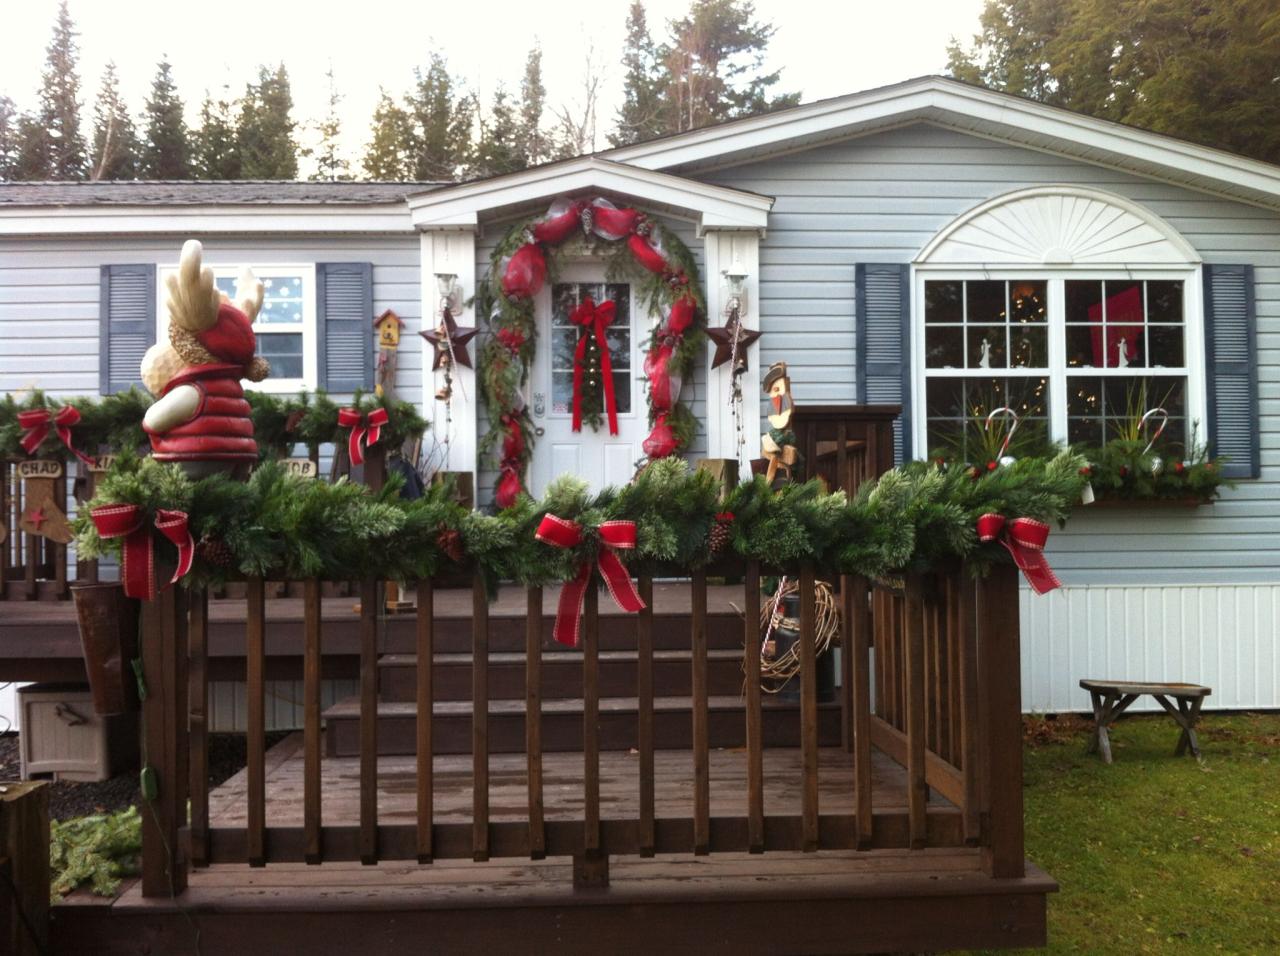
(388, 326)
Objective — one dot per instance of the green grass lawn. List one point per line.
(1157, 854)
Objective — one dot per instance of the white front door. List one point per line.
(595, 455)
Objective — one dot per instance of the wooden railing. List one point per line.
(946, 706)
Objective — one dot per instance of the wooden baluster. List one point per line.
(860, 652)
(930, 675)
(913, 636)
(644, 693)
(755, 725)
(592, 867)
(479, 719)
(61, 587)
(533, 719)
(256, 728)
(370, 599)
(955, 663)
(8, 521)
(198, 711)
(970, 720)
(425, 704)
(1000, 694)
(313, 851)
(164, 869)
(701, 751)
(808, 710)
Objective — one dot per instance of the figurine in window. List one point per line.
(779, 442)
(201, 418)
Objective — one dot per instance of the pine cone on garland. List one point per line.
(450, 542)
(721, 532)
(215, 551)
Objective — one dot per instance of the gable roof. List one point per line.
(950, 103)
(709, 205)
(203, 192)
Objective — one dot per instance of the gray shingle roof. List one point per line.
(203, 193)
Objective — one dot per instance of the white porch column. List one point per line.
(450, 249)
(733, 251)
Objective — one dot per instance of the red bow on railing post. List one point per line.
(561, 533)
(595, 319)
(137, 569)
(36, 423)
(1025, 539)
(365, 430)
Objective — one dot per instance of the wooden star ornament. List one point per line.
(450, 341)
(723, 338)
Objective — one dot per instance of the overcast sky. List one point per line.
(824, 47)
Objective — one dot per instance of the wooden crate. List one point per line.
(64, 739)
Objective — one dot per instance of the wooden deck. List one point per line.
(562, 783)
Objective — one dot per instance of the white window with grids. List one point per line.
(285, 327)
(1075, 353)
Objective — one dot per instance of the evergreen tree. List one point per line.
(499, 148)
(533, 98)
(35, 149)
(166, 153)
(1201, 71)
(330, 165)
(8, 139)
(58, 152)
(115, 141)
(264, 136)
(213, 145)
(433, 107)
(710, 67)
(639, 117)
(387, 156)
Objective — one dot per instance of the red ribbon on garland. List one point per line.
(138, 566)
(1025, 540)
(36, 423)
(365, 431)
(614, 535)
(594, 319)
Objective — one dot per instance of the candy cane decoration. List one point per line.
(1142, 425)
(1010, 415)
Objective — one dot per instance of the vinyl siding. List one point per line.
(693, 393)
(880, 198)
(49, 291)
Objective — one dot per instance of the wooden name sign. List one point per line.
(40, 468)
(301, 467)
(103, 463)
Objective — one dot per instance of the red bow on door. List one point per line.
(594, 319)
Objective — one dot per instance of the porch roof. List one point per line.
(469, 204)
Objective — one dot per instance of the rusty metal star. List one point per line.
(723, 338)
(450, 341)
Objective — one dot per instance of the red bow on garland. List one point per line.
(1025, 539)
(365, 431)
(594, 319)
(36, 428)
(138, 566)
(561, 533)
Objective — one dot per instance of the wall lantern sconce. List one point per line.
(450, 292)
(735, 295)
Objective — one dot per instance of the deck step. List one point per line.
(561, 674)
(562, 725)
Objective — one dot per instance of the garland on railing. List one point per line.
(633, 246)
(912, 518)
(115, 422)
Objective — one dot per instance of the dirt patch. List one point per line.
(68, 799)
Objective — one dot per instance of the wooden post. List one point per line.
(164, 865)
(913, 632)
(1000, 699)
(24, 865)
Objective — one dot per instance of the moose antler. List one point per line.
(249, 293)
(193, 298)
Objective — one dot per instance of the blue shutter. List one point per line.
(883, 328)
(1231, 368)
(344, 297)
(126, 324)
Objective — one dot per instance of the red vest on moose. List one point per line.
(221, 428)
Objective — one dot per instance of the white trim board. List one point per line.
(950, 103)
(229, 219)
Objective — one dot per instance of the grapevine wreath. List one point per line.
(633, 245)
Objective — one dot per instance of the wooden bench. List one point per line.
(1112, 698)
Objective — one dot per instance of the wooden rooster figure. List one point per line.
(201, 418)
